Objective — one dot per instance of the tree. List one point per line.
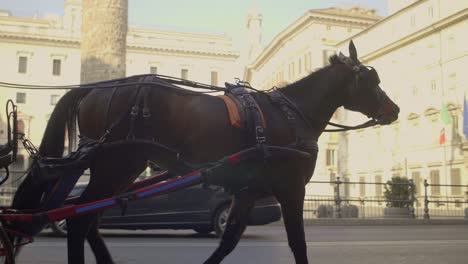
(398, 192)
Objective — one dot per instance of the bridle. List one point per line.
(361, 72)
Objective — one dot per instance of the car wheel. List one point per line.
(220, 220)
(203, 230)
(59, 227)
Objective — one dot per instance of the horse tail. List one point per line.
(62, 119)
(29, 193)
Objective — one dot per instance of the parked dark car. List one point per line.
(203, 209)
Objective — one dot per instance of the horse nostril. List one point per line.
(397, 109)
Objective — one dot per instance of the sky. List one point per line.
(207, 16)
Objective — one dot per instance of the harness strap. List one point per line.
(146, 112)
(255, 120)
(134, 114)
(303, 135)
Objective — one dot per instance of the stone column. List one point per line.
(104, 40)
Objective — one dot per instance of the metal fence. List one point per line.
(419, 205)
(343, 206)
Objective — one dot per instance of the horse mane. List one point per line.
(333, 60)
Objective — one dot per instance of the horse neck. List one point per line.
(318, 96)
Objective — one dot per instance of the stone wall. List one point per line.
(104, 32)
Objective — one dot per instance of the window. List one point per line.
(293, 68)
(452, 81)
(350, 30)
(332, 178)
(455, 179)
(430, 11)
(414, 88)
(435, 179)
(20, 98)
(299, 63)
(328, 27)
(433, 87)
(21, 128)
(347, 186)
(378, 187)
(326, 56)
(154, 70)
(330, 157)
(455, 125)
(56, 68)
(214, 78)
(307, 65)
(362, 186)
(451, 46)
(184, 74)
(416, 176)
(54, 99)
(22, 64)
(413, 20)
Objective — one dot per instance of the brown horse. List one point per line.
(197, 126)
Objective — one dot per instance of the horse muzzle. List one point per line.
(388, 113)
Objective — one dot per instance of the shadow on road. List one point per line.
(152, 234)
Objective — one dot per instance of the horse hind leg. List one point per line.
(97, 244)
(77, 230)
(241, 206)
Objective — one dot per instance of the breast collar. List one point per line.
(304, 140)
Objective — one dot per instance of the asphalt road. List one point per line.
(326, 245)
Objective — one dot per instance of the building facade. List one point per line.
(420, 53)
(301, 48)
(46, 51)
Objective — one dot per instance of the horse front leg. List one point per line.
(97, 244)
(292, 204)
(241, 206)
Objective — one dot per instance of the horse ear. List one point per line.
(353, 52)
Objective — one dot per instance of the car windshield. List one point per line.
(78, 190)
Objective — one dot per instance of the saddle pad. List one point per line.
(233, 111)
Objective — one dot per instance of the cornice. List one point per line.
(181, 51)
(444, 23)
(34, 39)
(75, 43)
(370, 19)
(153, 32)
(26, 20)
(382, 21)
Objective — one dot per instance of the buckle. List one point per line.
(146, 112)
(259, 135)
(134, 111)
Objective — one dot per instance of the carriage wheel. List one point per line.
(6, 249)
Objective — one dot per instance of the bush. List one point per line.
(397, 192)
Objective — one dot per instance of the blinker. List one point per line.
(370, 76)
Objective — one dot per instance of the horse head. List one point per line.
(364, 94)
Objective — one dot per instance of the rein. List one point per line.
(307, 119)
(179, 81)
(112, 84)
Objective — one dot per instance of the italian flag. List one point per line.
(442, 136)
(446, 120)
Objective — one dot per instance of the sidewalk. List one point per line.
(379, 221)
(385, 221)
